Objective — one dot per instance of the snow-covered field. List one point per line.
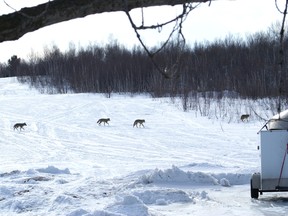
(64, 163)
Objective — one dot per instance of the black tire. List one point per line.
(254, 191)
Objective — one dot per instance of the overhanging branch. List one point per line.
(15, 25)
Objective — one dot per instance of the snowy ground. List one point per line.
(63, 163)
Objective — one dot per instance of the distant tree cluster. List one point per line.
(247, 68)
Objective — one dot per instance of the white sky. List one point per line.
(223, 17)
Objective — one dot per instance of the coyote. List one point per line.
(19, 125)
(138, 122)
(243, 117)
(104, 120)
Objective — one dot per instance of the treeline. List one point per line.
(247, 68)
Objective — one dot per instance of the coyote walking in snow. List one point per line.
(19, 125)
(104, 120)
(243, 117)
(138, 122)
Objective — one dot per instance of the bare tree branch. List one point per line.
(167, 72)
(15, 25)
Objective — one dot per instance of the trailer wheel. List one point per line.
(254, 191)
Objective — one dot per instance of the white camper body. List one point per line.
(274, 164)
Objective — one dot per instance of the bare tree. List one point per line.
(281, 71)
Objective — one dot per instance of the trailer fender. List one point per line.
(256, 181)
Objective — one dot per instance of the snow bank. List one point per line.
(54, 170)
(163, 197)
(7, 174)
(78, 212)
(175, 175)
(233, 178)
(178, 176)
(101, 213)
(129, 205)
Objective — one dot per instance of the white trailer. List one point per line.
(273, 176)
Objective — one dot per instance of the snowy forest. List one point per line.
(244, 67)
